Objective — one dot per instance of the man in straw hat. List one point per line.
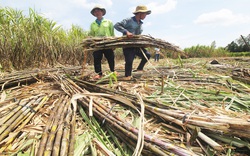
(102, 27)
(129, 27)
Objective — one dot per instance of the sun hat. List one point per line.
(98, 7)
(142, 8)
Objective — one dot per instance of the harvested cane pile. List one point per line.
(62, 115)
(242, 75)
(97, 43)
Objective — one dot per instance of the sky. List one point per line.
(184, 23)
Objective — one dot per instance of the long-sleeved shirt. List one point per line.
(129, 24)
(102, 28)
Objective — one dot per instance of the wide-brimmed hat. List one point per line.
(142, 8)
(98, 7)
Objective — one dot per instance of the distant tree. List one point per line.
(239, 45)
(232, 47)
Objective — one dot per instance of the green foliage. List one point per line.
(206, 51)
(240, 54)
(112, 76)
(97, 132)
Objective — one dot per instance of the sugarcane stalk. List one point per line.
(230, 140)
(135, 41)
(64, 150)
(209, 125)
(160, 143)
(54, 127)
(131, 143)
(211, 142)
(13, 113)
(30, 116)
(59, 132)
(117, 121)
(45, 134)
(7, 110)
(12, 122)
(72, 132)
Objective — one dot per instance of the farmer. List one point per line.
(157, 54)
(129, 27)
(102, 27)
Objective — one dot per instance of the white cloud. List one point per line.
(159, 8)
(222, 17)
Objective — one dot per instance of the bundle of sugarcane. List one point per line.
(56, 138)
(241, 74)
(31, 76)
(25, 110)
(17, 111)
(98, 43)
(217, 128)
(187, 130)
(92, 101)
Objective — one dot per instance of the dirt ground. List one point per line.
(223, 66)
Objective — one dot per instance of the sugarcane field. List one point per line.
(172, 108)
(191, 102)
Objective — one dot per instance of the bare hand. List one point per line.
(129, 34)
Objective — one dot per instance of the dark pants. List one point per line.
(157, 56)
(98, 55)
(129, 54)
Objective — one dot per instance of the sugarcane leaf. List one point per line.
(96, 130)
(136, 122)
(82, 144)
(233, 141)
(120, 150)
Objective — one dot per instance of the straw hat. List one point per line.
(142, 8)
(98, 7)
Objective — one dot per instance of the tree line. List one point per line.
(239, 45)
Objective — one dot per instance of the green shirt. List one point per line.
(105, 28)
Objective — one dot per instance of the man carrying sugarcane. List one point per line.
(102, 27)
(129, 27)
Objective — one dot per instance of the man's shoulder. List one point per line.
(129, 18)
(107, 20)
(93, 23)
